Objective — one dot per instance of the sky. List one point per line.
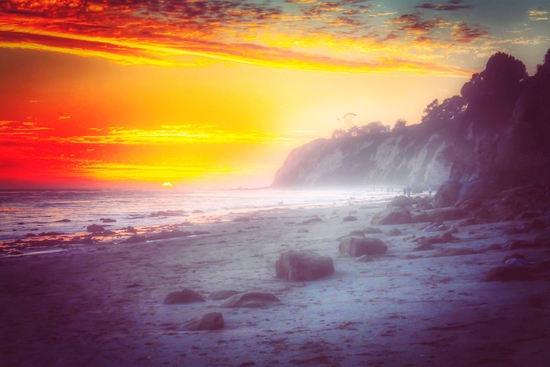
(215, 94)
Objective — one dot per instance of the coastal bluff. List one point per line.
(412, 156)
(493, 136)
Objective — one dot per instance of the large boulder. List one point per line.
(393, 215)
(210, 321)
(303, 265)
(183, 296)
(357, 246)
(249, 299)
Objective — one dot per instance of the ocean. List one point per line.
(25, 212)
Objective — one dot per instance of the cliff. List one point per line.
(493, 136)
(412, 156)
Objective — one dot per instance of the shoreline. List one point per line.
(103, 304)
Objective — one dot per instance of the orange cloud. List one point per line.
(174, 33)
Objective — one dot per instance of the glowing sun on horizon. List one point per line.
(167, 185)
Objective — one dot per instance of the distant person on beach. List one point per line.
(430, 190)
(408, 190)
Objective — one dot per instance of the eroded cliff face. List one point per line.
(503, 139)
(413, 156)
(494, 136)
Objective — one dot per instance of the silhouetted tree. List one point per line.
(400, 125)
(373, 127)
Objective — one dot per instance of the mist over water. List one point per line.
(36, 211)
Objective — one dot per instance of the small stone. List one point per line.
(349, 218)
(95, 228)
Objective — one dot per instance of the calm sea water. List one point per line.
(36, 211)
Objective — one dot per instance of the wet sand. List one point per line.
(102, 304)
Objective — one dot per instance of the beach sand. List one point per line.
(102, 304)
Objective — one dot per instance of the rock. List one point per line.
(401, 201)
(95, 228)
(468, 205)
(349, 218)
(135, 239)
(522, 244)
(394, 232)
(372, 230)
(362, 259)
(447, 194)
(249, 299)
(164, 235)
(210, 321)
(503, 273)
(357, 233)
(223, 294)
(183, 296)
(420, 217)
(63, 221)
(442, 238)
(445, 214)
(424, 247)
(393, 215)
(312, 220)
(107, 220)
(303, 265)
(356, 246)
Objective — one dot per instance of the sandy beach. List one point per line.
(102, 304)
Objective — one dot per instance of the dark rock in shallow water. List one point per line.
(249, 299)
(223, 294)
(107, 220)
(63, 221)
(356, 246)
(135, 239)
(394, 232)
(303, 265)
(349, 218)
(210, 321)
(183, 296)
(164, 235)
(95, 228)
(503, 273)
(393, 215)
(372, 230)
